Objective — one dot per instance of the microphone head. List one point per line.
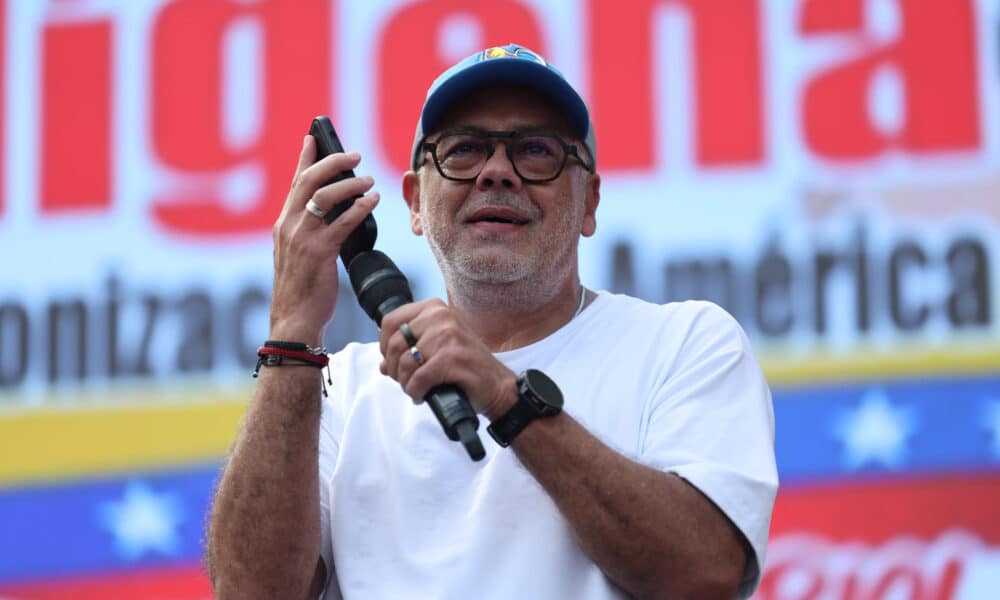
(378, 283)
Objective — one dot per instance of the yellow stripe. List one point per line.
(868, 364)
(143, 428)
(47, 444)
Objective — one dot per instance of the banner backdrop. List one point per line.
(826, 170)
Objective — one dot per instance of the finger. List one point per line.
(406, 368)
(332, 165)
(324, 169)
(336, 232)
(414, 313)
(327, 196)
(422, 378)
(308, 154)
(306, 157)
(406, 313)
(394, 349)
(399, 354)
(399, 361)
(319, 173)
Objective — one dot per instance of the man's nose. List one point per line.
(499, 171)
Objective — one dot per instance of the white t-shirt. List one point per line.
(407, 514)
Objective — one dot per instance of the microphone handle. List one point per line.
(454, 413)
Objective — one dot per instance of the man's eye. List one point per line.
(537, 147)
(464, 147)
(467, 147)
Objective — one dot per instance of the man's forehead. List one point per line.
(504, 107)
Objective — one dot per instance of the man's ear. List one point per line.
(411, 194)
(591, 200)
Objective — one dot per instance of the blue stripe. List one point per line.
(949, 428)
(57, 530)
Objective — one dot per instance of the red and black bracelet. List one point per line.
(276, 353)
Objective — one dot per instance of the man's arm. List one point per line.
(264, 538)
(264, 533)
(651, 532)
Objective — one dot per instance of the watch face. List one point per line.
(545, 394)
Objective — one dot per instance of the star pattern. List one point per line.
(143, 522)
(875, 432)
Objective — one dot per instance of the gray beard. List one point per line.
(475, 268)
(497, 278)
(466, 264)
(499, 281)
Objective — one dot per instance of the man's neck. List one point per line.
(506, 317)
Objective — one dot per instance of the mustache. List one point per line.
(517, 203)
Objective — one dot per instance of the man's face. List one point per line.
(498, 228)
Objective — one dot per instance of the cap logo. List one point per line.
(517, 52)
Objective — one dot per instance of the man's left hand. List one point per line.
(450, 353)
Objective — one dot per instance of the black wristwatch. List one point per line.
(537, 396)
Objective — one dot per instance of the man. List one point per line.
(656, 480)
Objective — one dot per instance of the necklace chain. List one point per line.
(583, 300)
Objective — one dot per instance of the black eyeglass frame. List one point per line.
(512, 135)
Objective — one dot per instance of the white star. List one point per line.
(875, 431)
(992, 417)
(143, 521)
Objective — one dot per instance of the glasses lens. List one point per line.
(538, 156)
(461, 154)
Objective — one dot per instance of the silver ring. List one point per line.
(314, 209)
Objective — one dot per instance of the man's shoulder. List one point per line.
(689, 323)
(698, 312)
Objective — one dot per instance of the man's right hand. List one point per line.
(305, 248)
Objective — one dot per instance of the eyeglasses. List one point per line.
(538, 155)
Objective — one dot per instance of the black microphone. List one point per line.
(381, 288)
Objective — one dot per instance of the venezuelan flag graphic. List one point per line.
(110, 502)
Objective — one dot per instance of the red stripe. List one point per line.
(875, 511)
(170, 583)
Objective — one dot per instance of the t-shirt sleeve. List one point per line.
(328, 450)
(331, 428)
(711, 422)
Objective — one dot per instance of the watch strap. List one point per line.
(537, 396)
(506, 428)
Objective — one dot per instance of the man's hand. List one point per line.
(306, 249)
(452, 354)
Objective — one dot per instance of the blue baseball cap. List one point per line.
(511, 64)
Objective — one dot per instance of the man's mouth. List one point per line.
(497, 214)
